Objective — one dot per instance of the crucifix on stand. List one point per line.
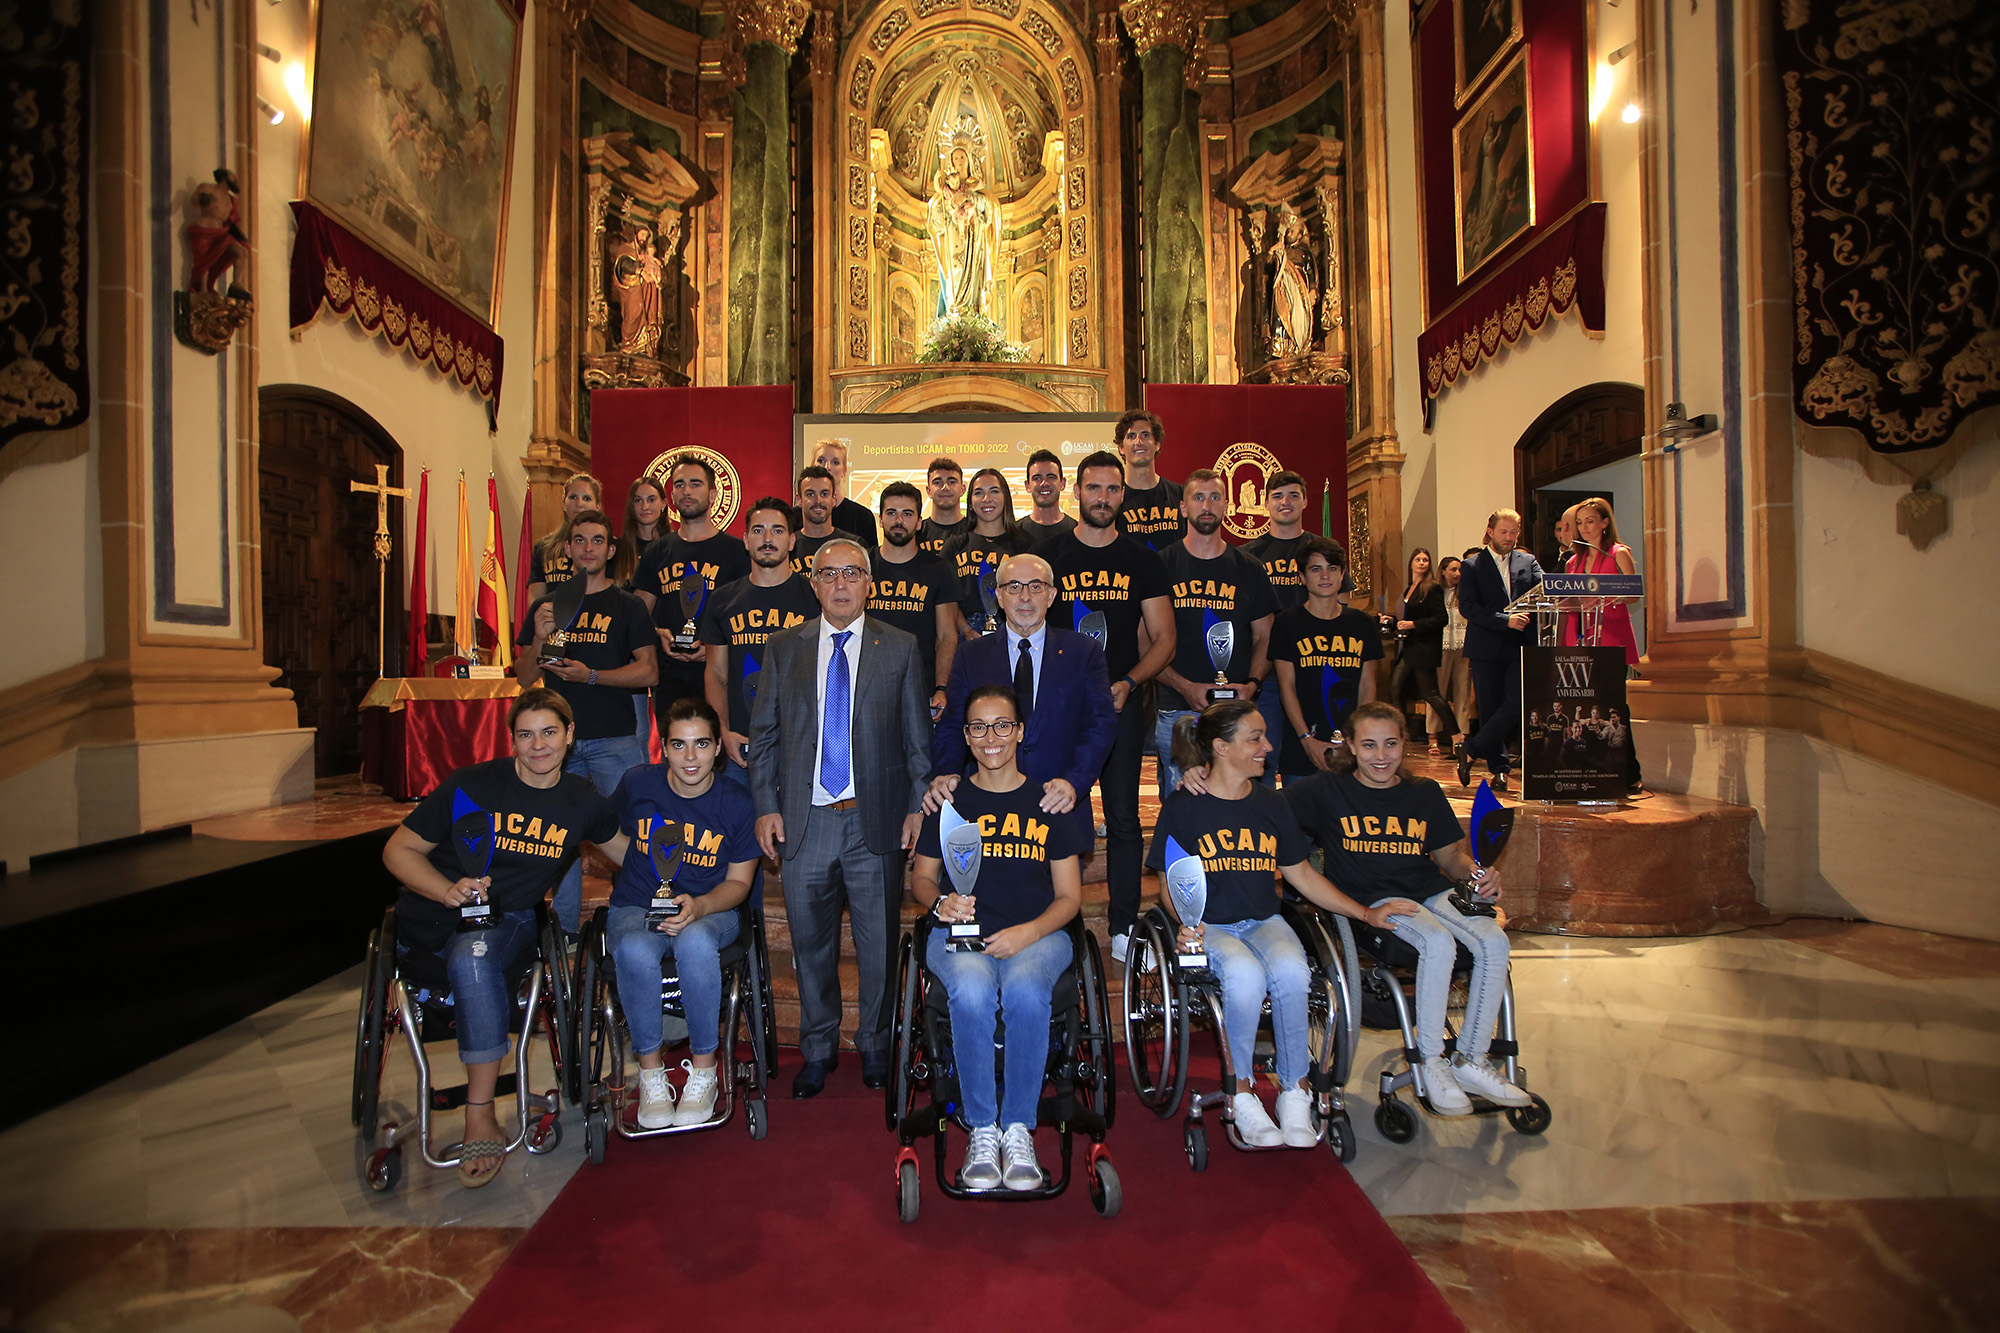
(381, 490)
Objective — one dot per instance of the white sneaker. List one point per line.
(656, 1099)
(1441, 1090)
(1017, 1144)
(1295, 1118)
(1253, 1122)
(698, 1096)
(1482, 1079)
(982, 1160)
(1121, 944)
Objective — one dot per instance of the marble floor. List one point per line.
(1782, 1127)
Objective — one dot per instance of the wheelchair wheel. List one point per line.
(369, 1051)
(564, 989)
(1397, 1122)
(1156, 1029)
(902, 1090)
(1106, 1196)
(596, 1133)
(1533, 1119)
(1340, 1136)
(1378, 1010)
(1194, 1139)
(1102, 1094)
(763, 1008)
(908, 1198)
(588, 1023)
(385, 1170)
(753, 1119)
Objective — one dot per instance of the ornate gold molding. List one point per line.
(1157, 23)
(776, 21)
(567, 17)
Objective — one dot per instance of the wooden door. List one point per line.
(320, 574)
(1584, 430)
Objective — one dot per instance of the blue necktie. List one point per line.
(834, 762)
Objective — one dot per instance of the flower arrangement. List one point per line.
(968, 336)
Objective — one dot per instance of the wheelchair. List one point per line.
(416, 990)
(1164, 1001)
(922, 1093)
(611, 1099)
(1388, 1001)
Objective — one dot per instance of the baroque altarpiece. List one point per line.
(782, 192)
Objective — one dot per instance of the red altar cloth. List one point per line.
(417, 730)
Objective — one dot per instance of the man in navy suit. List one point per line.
(1065, 695)
(1493, 641)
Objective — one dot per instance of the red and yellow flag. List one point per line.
(465, 602)
(493, 617)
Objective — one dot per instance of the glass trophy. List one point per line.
(1092, 623)
(1187, 888)
(693, 599)
(1220, 636)
(566, 600)
(665, 847)
(1492, 826)
(962, 854)
(989, 597)
(1335, 697)
(472, 839)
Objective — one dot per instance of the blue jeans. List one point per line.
(603, 761)
(980, 989)
(476, 961)
(637, 951)
(1251, 959)
(1163, 741)
(1437, 931)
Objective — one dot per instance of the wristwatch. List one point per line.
(1129, 683)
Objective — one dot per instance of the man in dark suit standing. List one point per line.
(1493, 641)
(1058, 677)
(838, 760)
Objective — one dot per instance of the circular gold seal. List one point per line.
(728, 489)
(1245, 469)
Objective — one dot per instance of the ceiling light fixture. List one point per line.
(1630, 115)
(269, 53)
(274, 114)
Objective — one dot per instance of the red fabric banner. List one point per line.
(748, 428)
(1303, 428)
(1564, 269)
(1555, 38)
(331, 266)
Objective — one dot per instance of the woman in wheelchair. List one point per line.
(1029, 887)
(541, 818)
(1388, 834)
(1246, 837)
(716, 822)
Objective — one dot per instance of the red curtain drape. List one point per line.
(1304, 426)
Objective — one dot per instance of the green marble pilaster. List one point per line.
(1174, 260)
(760, 210)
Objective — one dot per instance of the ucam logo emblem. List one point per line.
(1221, 640)
(962, 857)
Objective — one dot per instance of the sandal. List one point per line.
(475, 1152)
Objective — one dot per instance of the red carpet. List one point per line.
(713, 1231)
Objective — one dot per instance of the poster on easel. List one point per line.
(1576, 730)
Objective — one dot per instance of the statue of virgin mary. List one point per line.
(962, 222)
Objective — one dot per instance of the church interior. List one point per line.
(279, 274)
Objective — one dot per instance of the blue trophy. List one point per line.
(1187, 886)
(664, 846)
(472, 840)
(1492, 825)
(989, 596)
(1336, 697)
(566, 600)
(962, 855)
(1091, 623)
(693, 599)
(1219, 636)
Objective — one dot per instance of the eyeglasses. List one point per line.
(844, 574)
(1003, 729)
(1016, 588)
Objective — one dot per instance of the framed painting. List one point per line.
(1482, 32)
(1493, 168)
(410, 142)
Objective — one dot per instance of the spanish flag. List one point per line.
(493, 617)
(464, 608)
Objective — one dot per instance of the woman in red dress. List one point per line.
(1604, 622)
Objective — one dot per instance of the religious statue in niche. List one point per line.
(1292, 272)
(964, 222)
(1033, 317)
(217, 249)
(636, 274)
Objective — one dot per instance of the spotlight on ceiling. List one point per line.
(274, 114)
(1680, 427)
(1630, 115)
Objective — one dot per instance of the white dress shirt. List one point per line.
(823, 661)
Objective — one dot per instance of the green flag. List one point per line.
(1326, 509)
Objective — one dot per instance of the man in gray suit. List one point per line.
(839, 753)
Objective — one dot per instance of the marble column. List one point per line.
(760, 194)
(1174, 255)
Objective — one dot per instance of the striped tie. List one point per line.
(834, 762)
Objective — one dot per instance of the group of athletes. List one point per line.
(1114, 612)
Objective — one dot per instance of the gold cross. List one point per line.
(381, 490)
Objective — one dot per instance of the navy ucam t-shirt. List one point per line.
(718, 830)
(1241, 843)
